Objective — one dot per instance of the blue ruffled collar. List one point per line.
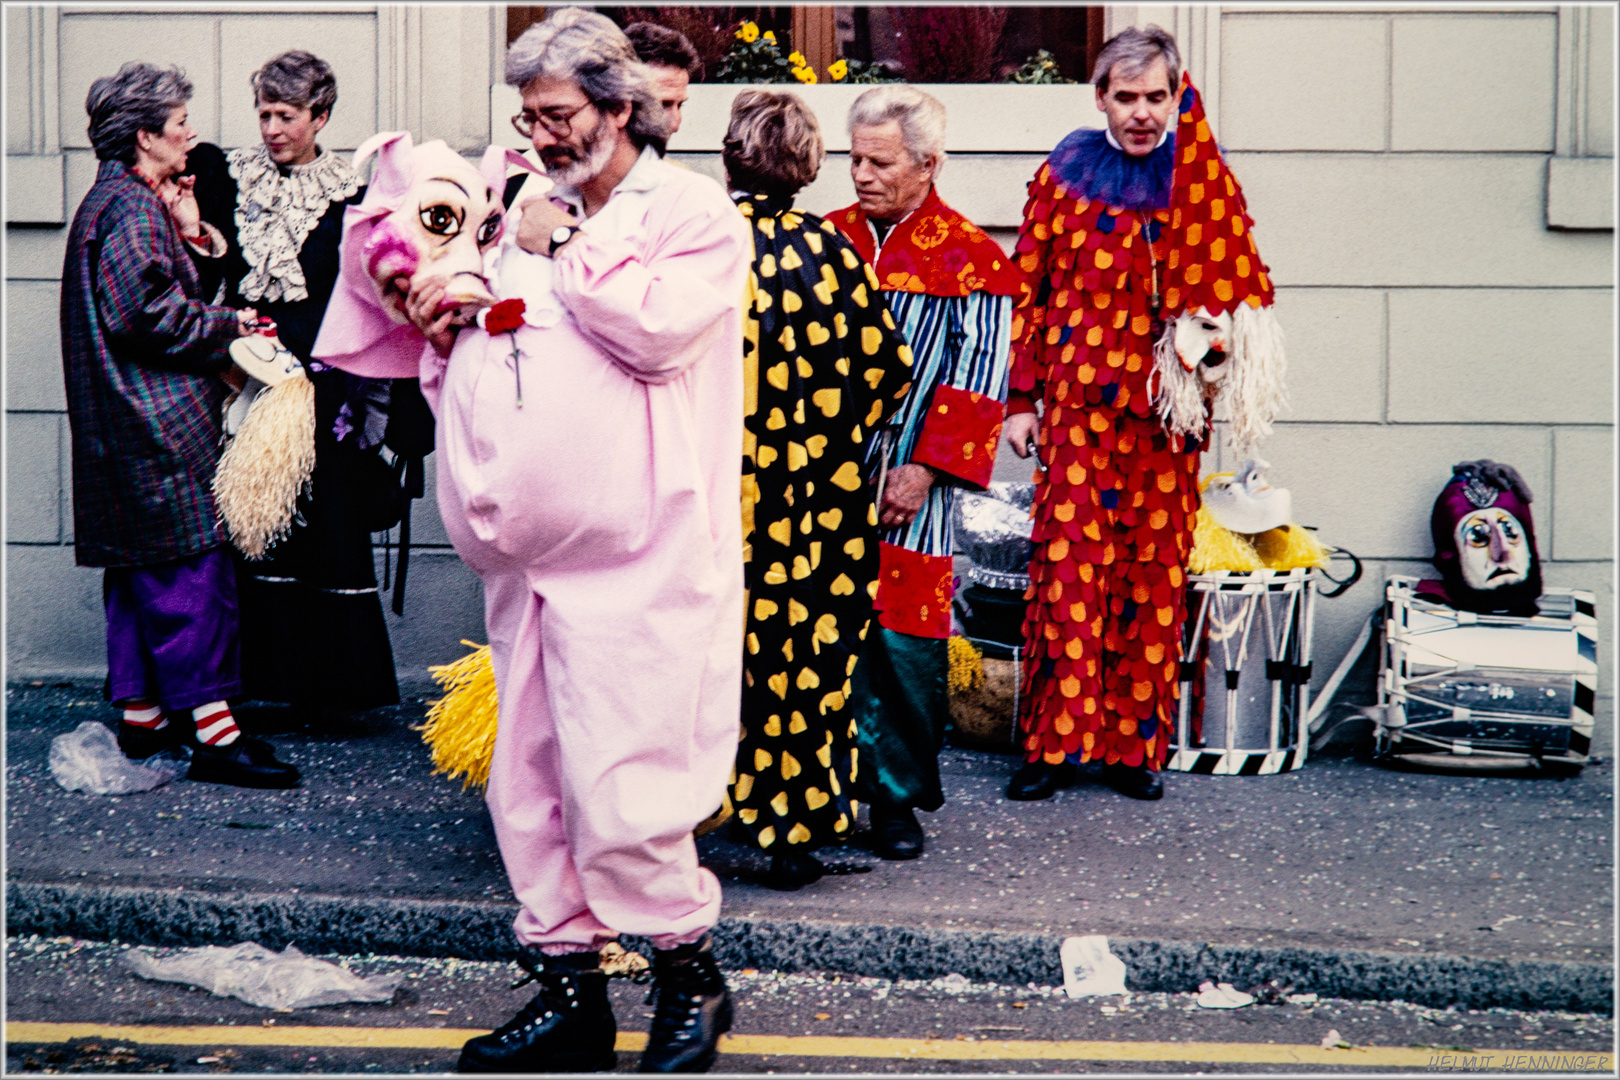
(1087, 166)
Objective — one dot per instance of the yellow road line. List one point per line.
(816, 1046)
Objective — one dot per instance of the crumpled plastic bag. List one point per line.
(88, 759)
(1089, 969)
(260, 976)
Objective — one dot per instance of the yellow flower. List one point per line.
(804, 74)
(837, 70)
(770, 36)
(749, 32)
(796, 58)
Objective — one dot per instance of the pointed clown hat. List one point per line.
(1215, 276)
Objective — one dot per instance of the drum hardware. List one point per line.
(1460, 689)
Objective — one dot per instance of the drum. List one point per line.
(1464, 690)
(992, 533)
(1247, 666)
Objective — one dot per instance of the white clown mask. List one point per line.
(1233, 359)
(1491, 549)
(1201, 342)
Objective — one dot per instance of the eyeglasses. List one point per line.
(557, 124)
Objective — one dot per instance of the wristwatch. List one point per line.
(560, 236)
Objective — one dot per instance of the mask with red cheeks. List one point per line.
(434, 217)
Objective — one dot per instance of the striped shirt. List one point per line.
(958, 341)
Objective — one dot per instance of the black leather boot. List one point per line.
(691, 1010)
(1137, 782)
(567, 1028)
(1039, 780)
(896, 832)
(247, 762)
(791, 870)
(139, 743)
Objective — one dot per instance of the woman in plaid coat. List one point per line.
(144, 359)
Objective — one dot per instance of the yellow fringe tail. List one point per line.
(966, 666)
(460, 727)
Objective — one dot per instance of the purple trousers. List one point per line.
(172, 631)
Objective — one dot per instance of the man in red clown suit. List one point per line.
(951, 289)
(1147, 302)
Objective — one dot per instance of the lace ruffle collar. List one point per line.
(275, 213)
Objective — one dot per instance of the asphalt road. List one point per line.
(1341, 854)
(785, 1024)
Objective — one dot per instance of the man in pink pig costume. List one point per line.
(589, 469)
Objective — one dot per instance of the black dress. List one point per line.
(313, 632)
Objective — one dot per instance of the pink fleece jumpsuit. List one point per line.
(603, 518)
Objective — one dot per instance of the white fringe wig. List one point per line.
(267, 466)
(1252, 389)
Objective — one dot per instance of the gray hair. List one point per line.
(299, 79)
(139, 98)
(1133, 52)
(590, 50)
(920, 115)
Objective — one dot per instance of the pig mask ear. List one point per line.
(391, 178)
(496, 160)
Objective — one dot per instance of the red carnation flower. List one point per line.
(504, 317)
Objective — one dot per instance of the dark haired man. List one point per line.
(673, 61)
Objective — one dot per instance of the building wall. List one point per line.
(1432, 190)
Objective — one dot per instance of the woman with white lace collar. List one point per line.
(313, 633)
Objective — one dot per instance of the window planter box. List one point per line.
(1003, 118)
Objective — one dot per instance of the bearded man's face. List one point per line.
(573, 136)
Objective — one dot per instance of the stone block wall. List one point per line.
(1432, 190)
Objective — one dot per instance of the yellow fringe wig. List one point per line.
(266, 466)
(1218, 548)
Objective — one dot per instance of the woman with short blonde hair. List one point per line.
(773, 145)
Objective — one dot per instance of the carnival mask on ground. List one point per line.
(1245, 502)
(1484, 540)
(428, 214)
(1221, 341)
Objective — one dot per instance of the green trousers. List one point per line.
(900, 705)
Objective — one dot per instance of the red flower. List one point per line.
(504, 317)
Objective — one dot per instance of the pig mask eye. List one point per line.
(441, 219)
(490, 230)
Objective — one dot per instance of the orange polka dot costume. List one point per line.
(1112, 251)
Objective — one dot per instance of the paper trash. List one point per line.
(1089, 969)
(1222, 996)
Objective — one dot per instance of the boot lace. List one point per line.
(677, 1001)
(559, 992)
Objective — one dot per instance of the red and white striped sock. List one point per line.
(215, 724)
(145, 714)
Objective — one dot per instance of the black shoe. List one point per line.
(1039, 780)
(567, 1028)
(247, 762)
(1139, 782)
(691, 1010)
(139, 743)
(791, 870)
(896, 833)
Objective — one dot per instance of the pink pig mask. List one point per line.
(428, 214)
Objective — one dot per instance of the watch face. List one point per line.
(561, 234)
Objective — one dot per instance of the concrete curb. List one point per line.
(481, 931)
